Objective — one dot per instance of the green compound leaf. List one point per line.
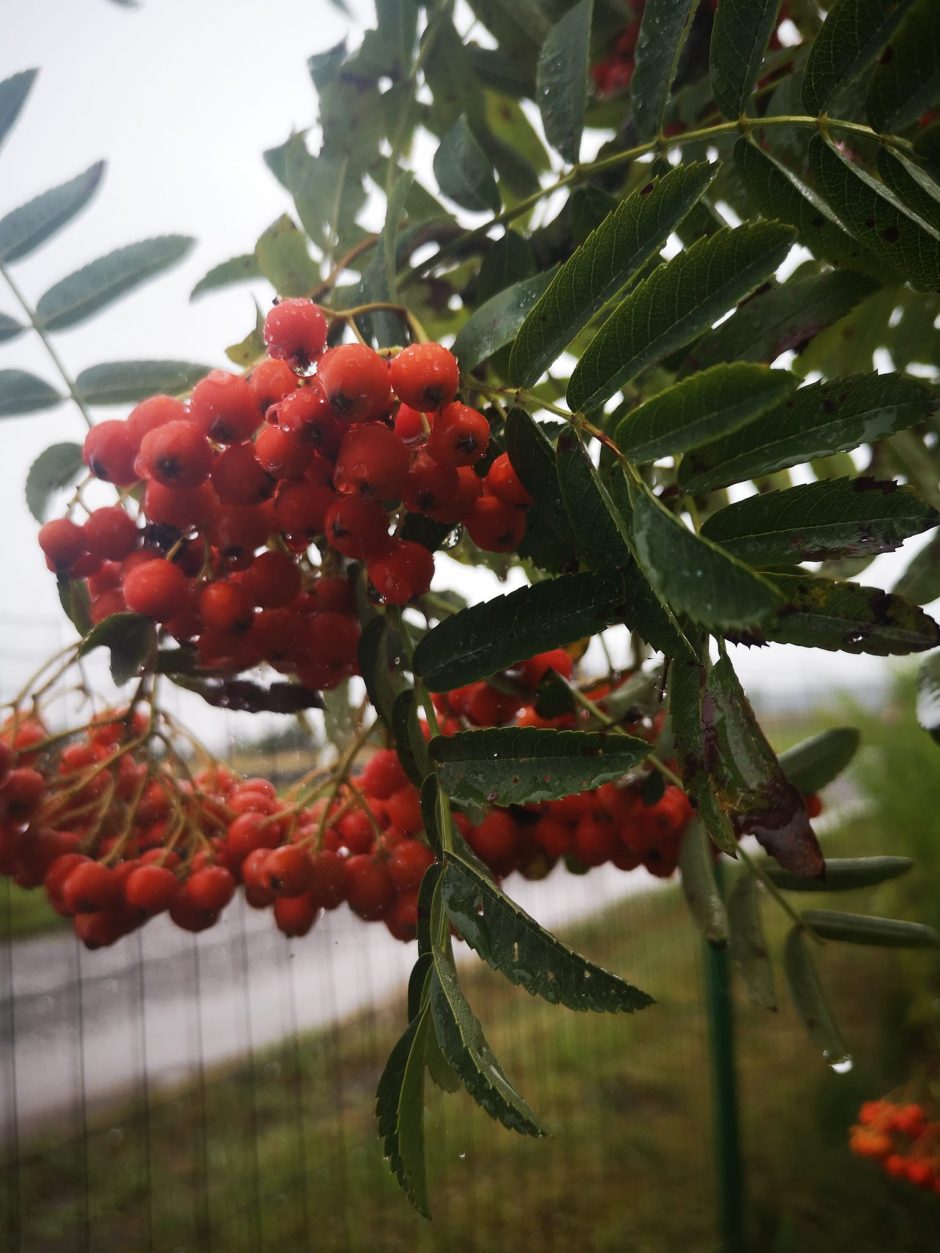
(920, 582)
(22, 392)
(56, 468)
(739, 41)
(852, 36)
(516, 765)
(845, 874)
(817, 421)
(383, 683)
(697, 867)
(126, 382)
(748, 947)
(549, 538)
(807, 994)
(779, 194)
(780, 317)
(912, 185)
(701, 408)
(13, 93)
(235, 270)
(674, 304)
(686, 693)
(101, 282)
(9, 328)
(495, 323)
(464, 172)
(132, 639)
(844, 617)
(603, 529)
(25, 228)
(399, 1107)
(464, 1046)
(511, 941)
(906, 82)
(813, 763)
(663, 32)
(609, 258)
(561, 80)
(283, 259)
(832, 924)
(498, 633)
(691, 574)
(749, 780)
(877, 218)
(409, 742)
(815, 521)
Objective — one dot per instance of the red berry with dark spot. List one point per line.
(495, 526)
(223, 407)
(177, 455)
(295, 332)
(369, 889)
(287, 870)
(425, 376)
(404, 572)
(355, 380)
(109, 452)
(63, 543)
(110, 533)
(158, 589)
(374, 462)
(459, 435)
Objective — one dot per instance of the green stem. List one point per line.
(724, 1095)
(704, 134)
(48, 345)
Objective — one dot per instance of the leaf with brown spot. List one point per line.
(749, 781)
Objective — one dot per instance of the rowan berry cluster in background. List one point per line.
(902, 1138)
(243, 508)
(118, 826)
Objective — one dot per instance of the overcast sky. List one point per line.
(181, 97)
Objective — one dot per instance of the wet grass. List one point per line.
(281, 1155)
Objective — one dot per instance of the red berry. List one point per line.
(496, 526)
(496, 839)
(190, 916)
(62, 542)
(21, 795)
(372, 461)
(355, 380)
(504, 482)
(210, 888)
(282, 454)
(272, 580)
(270, 381)
(459, 435)
(383, 775)
(238, 478)
(404, 572)
(153, 412)
(158, 589)
(151, 889)
(287, 870)
(295, 915)
(402, 918)
(110, 533)
(425, 376)
(91, 886)
(226, 606)
(369, 890)
(327, 879)
(306, 414)
(407, 864)
(429, 485)
(223, 407)
(300, 508)
(469, 488)
(357, 528)
(411, 426)
(180, 508)
(109, 451)
(176, 454)
(295, 331)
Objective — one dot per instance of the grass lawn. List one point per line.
(281, 1155)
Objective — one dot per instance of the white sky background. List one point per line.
(181, 97)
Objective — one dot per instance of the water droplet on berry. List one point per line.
(841, 1065)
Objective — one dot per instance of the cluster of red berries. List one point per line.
(902, 1139)
(236, 484)
(118, 829)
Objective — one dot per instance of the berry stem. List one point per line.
(48, 345)
(579, 173)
